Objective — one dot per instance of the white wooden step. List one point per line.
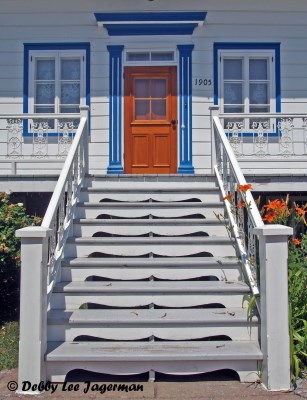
(78, 269)
(179, 358)
(178, 294)
(136, 324)
(167, 227)
(142, 192)
(151, 184)
(137, 246)
(137, 210)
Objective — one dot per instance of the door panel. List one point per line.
(140, 146)
(150, 110)
(161, 151)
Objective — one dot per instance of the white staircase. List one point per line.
(134, 274)
(150, 282)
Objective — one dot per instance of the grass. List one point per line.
(9, 337)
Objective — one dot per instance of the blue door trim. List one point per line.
(150, 23)
(115, 109)
(185, 109)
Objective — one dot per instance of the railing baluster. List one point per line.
(14, 138)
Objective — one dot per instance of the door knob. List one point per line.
(173, 122)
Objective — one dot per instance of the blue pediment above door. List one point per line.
(150, 23)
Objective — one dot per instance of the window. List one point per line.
(58, 79)
(150, 56)
(247, 81)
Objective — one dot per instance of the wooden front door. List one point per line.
(150, 112)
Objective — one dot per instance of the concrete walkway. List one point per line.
(203, 390)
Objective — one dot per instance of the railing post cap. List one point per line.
(34, 232)
(214, 108)
(273, 230)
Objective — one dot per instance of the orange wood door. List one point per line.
(150, 113)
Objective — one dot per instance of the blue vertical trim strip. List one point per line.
(115, 109)
(25, 87)
(185, 112)
(249, 46)
(278, 78)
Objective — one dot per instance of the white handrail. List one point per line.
(255, 215)
(230, 176)
(262, 116)
(52, 207)
(39, 116)
(60, 211)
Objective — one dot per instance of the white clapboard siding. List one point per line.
(68, 21)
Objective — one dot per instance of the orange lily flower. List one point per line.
(300, 211)
(244, 188)
(296, 241)
(229, 197)
(241, 204)
(269, 217)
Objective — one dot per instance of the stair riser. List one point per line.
(247, 369)
(134, 230)
(182, 331)
(130, 273)
(83, 250)
(151, 182)
(139, 212)
(97, 196)
(70, 301)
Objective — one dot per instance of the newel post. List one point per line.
(84, 111)
(275, 344)
(214, 112)
(33, 305)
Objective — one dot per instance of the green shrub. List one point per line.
(12, 217)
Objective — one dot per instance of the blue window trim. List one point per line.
(151, 23)
(249, 46)
(185, 109)
(53, 46)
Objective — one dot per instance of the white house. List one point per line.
(180, 102)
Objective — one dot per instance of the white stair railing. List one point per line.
(263, 250)
(242, 218)
(42, 250)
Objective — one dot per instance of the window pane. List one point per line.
(258, 69)
(137, 56)
(163, 56)
(45, 70)
(43, 110)
(158, 88)
(158, 108)
(70, 69)
(69, 109)
(142, 109)
(141, 88)
(233, 93)
(233, 69)
(44, 93)
(70, 93)
(259, 109)
(232, 109)
(258, 93)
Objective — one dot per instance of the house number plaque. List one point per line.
(202, 82)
